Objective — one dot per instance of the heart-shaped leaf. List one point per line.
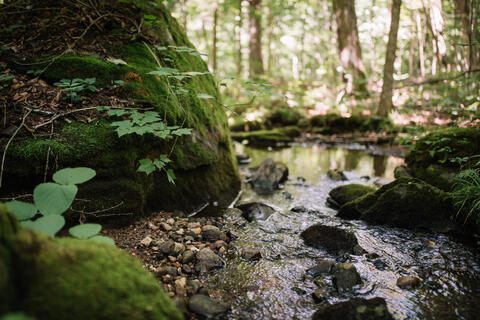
(73, 175)
(103, 239)
(47, 224)
(22, 210)
(85, 231)
(53, 198)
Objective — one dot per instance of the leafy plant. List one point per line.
(5, 80)
(73, 87)
(466, 194)
(51, 200)
(148, 122)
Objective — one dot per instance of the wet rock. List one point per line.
(301, 180)
(340, 195)
(355, 309)
(146, 242)
(287, 195)
(345, 277)
(408, 282)
(299, 291)
(251, 254)
(167, 247)
(269, 176)
(406, 203)
(170, 270)
(207, 307)
(178, 248)
(180, 304)
(324, 266)
(319, 295)
(211, 233)
(243, 158)
(256, 211)
(207, 260)
(401, 172)
(336, 175)
(379, 265)
(332, 239)
(299, 209)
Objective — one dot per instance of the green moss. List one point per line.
(438, 156)
(8, 229)
(263, 138)
(349, 192)
(409, 203)
(74, 279)
(333, 123)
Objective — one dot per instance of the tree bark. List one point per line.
(255, 43)
(239, 57)
(350, 52)
(421, 45)
(433, 14)
(385, 104)
(214, 37)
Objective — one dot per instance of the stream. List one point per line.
(278, 285)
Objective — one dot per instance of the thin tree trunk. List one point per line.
(184, 14)
(420, 44)
(255, 33)
(239, 39)
(435, 23)
(385, 105)
(269, 60)
(348, 42)
(214, 37)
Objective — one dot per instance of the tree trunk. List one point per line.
(184, 14)
(255, 33)
(239, 40)
(349, 48)
(433, 14)
(269, 59)
(385, 105)
(420, 44)
(214, 37)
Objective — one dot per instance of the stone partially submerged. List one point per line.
(406, 203)
(355, 309)
(269, 176)
(331, 239)
(340, 195)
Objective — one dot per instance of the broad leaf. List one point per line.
(161, 71)
(103, 239)
(171, 176)
(73, 175)
(52, 198)
(182, 132)
(22, 210)
(146, 166)
(47, 224)
(85, 231)
(116, 61)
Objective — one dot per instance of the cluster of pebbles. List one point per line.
(178, 251)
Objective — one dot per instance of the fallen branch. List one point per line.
(62, 115)
(10, 141)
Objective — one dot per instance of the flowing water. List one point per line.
(278, 287)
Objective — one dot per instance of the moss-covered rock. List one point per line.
(340, 195)
(204, 162)
(334, 123)
(438, 156)
(355, 309)
(8, 230)
(267, 138)
(65, 278)
(408, 203)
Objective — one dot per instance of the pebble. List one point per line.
(408, 282)
(166, 226)
(251, 254)
(211, 233)
(206, 306)
(147, 241)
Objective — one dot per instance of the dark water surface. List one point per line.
(277, 287)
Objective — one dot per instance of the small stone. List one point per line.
(180, 231)
(171, 221)
(187, 269)
(178, 248)
(167, 247)
(166, 226)
(207, 260)
(195, 285)
(181, 282)
(336, 175)
(251, 254)
(324, 266)
(222, 250)
(152, 226)
(147, 241)
(206, 306)
(318, 295)
(299, 209)
(346, 277)
(192, 225)
(299, 291)
(188, 256)
(197, 231)
(408, 282)
(167, 270)
(211, 233)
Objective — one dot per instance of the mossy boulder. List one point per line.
(65, 278)
(333, 123)
(340, 195)
(268, 138)
(438, 156)
(204, 162)
(407, 203)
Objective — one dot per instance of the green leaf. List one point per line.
(47, 224)
(171, 176)
(103, 239)
(54, 199)
(204, 96)
(85, 231)
(159, 164)
(73, 175)
(22, 210)
(146, 166)
(182, 132)
(117, 112)
(117, 61)
(161, 71)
